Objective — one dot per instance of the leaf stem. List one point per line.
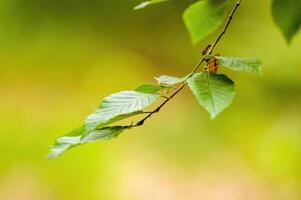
(209, 52)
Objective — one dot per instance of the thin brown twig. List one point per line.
(226, 27)
(209, 52)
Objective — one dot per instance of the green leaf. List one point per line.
(66, 142)
(106, 133)
(204, 17)
(214, 92)
(170, 80)
(147, 3)
(149, 88)
(240, 64)
(81, 136)
(119, 106)
(287, 16)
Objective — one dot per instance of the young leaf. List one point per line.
(204, 17)
(106, 133)
(214, 92)
(149, 88)
(287, 16)
(170, 80)
(66, 142)
(82, 136)
(240, 64)
(147, 3)
(119, 106)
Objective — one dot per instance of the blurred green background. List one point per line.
(59, 58)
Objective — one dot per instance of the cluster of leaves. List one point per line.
(113, 108)
(213, 91)
(205, 16)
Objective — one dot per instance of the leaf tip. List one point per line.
(288, 40)
(213, 116)
(260, 68)
(194, 41)
(51, 156)
(141, 5)
(260, 72)
(147, 3)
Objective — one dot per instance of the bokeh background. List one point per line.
(59, 58)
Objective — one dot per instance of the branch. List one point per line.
(226, 27)
(208, 51)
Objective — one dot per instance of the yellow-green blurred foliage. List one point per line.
(59, 58)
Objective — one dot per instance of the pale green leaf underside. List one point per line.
(147, 3)
(214, 92)
(149, 88)
(204, 17)
(287, 16)
(170, 80)
(240, 64)
(119, 106)
(116, 107)
(81, 136)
